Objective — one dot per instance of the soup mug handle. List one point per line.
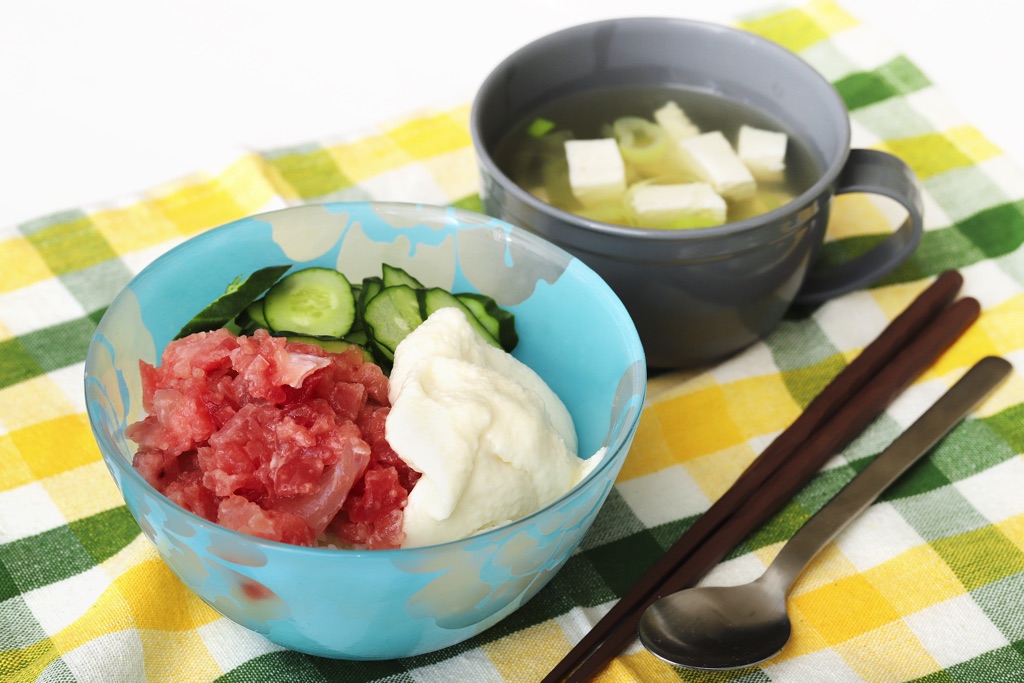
(869, 170)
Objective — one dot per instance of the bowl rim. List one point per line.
(460, 219)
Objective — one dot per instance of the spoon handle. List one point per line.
(863, 489)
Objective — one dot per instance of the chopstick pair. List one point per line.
(901, 353)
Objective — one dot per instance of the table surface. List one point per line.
(108, 98)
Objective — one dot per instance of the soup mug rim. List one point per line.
(770, 219)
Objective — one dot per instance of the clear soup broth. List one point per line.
(656, 157)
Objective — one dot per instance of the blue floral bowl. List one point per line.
(378, 604)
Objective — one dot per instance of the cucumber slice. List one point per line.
(383, 356)
(255, 312)
(316, 301)
(330, 345)
(371, 288)
(500, 323)
(393, 276)
(390, 316)
(252, 318)
(357, 336)
(357, 296)
(238, 295)
(435, 299)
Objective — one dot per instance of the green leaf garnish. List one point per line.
(240, 293)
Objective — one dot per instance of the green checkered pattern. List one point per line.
(926, 586)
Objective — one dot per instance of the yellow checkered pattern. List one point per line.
(925, 587)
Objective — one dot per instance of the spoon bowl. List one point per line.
(736, 626)
(718, 627)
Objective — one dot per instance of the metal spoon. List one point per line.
(737, 626)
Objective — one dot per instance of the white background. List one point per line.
(104, 98)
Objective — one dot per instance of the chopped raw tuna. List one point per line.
(240, 514)
(278, 440)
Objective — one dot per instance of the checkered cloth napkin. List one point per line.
(928, 585)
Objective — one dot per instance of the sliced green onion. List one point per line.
(640, 141)
(540, 127)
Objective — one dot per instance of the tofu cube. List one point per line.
(684, 205)
(763, 152)
(676, 123)
(712, 159)
(597, 173)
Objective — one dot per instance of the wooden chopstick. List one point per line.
(786, 482)
(618, 627)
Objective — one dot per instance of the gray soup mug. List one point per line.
(699, 295)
